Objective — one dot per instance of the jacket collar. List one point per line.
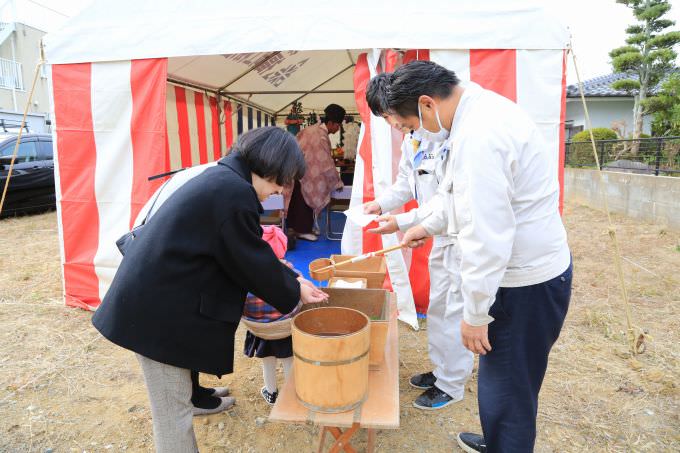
(236, 162)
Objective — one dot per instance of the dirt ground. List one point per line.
(64, 388)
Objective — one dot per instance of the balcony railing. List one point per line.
(11, 74)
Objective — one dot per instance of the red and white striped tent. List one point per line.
(140, 88)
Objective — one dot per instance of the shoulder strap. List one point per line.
(148, 214)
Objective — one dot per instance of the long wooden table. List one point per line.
(379, 411)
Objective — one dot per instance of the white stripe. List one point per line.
(456, 60)
(539, 93)
(57, 177)
(173, 128)
(111, 118)
(234, 121)
(383, 176)
(352, 241)
(207, 114)
(193, 126)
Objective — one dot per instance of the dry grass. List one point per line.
(62, 387)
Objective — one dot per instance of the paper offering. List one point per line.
(356, 216)
(345, 284)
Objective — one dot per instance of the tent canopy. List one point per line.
(292, 48)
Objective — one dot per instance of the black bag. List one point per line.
(125, 241)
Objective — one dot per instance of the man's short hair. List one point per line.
(335, 113)
(398, 92)
(272, 153)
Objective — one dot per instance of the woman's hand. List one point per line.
(372, 208)
(387, 224)
(309, 294)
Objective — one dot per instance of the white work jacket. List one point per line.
(500, 199)
(421, 170)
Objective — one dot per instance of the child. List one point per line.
(257, 310)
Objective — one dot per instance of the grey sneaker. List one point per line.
(227, 402)
(471, 443)
(220, 391)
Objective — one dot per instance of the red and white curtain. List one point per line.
(534, 79)
(202, 128)
(116, 124)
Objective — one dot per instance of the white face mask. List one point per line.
(423, 134)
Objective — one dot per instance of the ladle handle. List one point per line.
(361, 257)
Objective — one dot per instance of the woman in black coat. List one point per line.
(178, 295)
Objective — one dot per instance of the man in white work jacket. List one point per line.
(499, 197)
(421, 169)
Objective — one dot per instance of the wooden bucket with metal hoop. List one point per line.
(330, 350)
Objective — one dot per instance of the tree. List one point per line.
(649, 54)
(666, 107)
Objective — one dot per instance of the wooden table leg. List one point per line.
(342, 439)
(322, 439)
(370, 446)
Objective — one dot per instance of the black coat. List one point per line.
(178, 295)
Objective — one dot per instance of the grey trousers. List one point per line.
(169, 390)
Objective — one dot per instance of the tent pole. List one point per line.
(216, 93)
(235, 93)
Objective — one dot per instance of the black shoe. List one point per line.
(423, 381)
(471, 443)
(433, 399)
(270, 398)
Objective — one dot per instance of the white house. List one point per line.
(606, 106)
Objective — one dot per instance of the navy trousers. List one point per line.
(527, 322)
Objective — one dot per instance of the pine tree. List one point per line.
(648, 54)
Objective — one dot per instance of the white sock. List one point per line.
(269, 373)
(287, 366)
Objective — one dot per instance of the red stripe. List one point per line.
(200, 122)
(77, 155)
(563, 114)
(416, 54)
(215, 124)
(148, 129)
(495, 70)
(228, 127)
(183, 123)
(370, 242)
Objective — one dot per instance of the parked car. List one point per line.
(31, 185)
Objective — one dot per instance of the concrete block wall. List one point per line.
(650, 198)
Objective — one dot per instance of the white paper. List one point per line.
(345, 284)
(356, 216)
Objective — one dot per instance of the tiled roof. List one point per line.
(600, 87)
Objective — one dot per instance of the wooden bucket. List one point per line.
(330, 350)
(374, 303)
(319, 264)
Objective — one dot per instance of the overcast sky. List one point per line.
(597, 26)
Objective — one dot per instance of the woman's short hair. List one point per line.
(272, 153)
